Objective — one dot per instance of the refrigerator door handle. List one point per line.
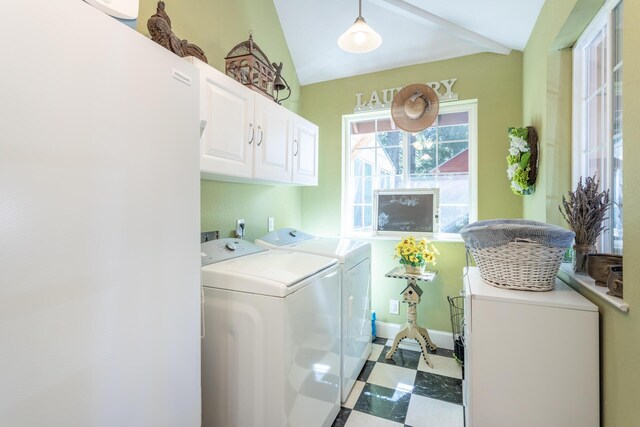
(202, 324)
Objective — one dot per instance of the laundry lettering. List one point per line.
(444, 89)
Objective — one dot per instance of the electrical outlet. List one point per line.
(240, 228)
(394, 306)
(270, 224)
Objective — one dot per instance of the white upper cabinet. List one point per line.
(305, 152)
(228, 110)
(249, 138)
(273, 150)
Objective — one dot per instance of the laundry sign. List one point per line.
(383, 98)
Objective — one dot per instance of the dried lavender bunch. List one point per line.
(585, 211)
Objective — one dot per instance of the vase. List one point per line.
(580, 253)
(414, 269)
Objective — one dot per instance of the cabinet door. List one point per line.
(228, 108)
(305, 152)
(272, 160)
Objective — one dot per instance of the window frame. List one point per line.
(603, 21)
(471, 107)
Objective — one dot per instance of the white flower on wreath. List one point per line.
(516, 186)
(518, 145)
(511, 170)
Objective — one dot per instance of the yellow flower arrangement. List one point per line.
(416, 253)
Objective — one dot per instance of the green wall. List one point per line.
(496, 82)
(558, 25)
(217, 26)
(547, 107)
(529, 89)
(224, 203)
(621, 343)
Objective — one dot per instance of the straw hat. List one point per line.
(415, 107)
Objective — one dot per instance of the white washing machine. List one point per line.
(355, 264)
(271, 351)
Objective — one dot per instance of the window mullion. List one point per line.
(607, 235)
(437, 177)
(405, 159)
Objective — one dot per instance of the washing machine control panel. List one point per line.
(224, 249)
(285, 236)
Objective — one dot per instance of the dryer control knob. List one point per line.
(231, 246)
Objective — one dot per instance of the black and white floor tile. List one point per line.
(404, 391)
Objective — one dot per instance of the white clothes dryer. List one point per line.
(355, 264)
(271, 347)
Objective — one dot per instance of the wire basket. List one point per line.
(456, 308)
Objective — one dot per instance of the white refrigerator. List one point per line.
(99, 223)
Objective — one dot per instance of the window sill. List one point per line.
(436, 238)
(567, 275)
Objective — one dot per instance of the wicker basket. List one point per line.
(529, 263)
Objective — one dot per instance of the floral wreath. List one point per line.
(522, 160)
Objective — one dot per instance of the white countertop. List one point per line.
(563, 296)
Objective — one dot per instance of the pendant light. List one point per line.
(360, 37)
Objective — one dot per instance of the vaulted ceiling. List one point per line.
(413, 32)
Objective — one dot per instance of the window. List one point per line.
(380, 156)
(597, 140)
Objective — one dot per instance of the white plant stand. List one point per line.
(411, 295)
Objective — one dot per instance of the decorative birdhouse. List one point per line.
(249, 65)
(411, 294)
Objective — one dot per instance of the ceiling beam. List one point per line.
(419, 14)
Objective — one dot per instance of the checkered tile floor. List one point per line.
(404, 391)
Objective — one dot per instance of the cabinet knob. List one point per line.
(296, 147)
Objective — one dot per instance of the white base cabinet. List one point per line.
(531, 358)
(246, 137)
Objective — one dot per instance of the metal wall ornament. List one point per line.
(280, 84)
(249, 65)
(159, 26)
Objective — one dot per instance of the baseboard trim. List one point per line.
(389, 331)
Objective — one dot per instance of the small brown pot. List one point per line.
(598, 266)
(614, 281)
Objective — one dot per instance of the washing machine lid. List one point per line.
(273, 273)
(283, 237)
(341, 249)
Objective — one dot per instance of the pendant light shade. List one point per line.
(360, 37)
